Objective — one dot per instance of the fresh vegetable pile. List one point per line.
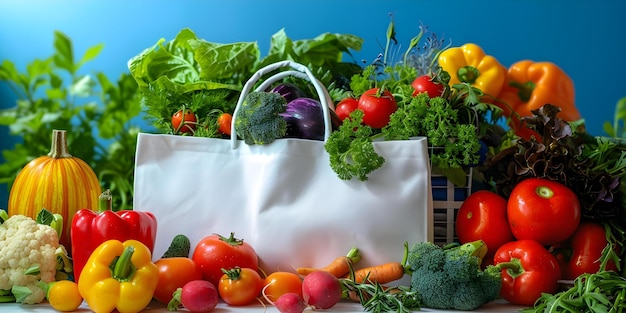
(551, 211)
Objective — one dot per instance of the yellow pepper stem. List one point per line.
(468, 74)
(122, 269)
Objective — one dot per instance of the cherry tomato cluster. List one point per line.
(540, 219)
(378, 104)
(185, 121)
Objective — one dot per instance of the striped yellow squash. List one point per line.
(59, 182)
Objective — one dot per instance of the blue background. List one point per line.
(585, 38)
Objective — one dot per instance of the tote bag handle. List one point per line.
(298, 70)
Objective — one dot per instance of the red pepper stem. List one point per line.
(513, 267)
(122, 268)
(105, 201)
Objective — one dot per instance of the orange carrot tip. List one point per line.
(339, 267)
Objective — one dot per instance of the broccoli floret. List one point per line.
(451, 277)
(258, 119)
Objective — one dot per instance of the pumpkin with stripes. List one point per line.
(58, 182)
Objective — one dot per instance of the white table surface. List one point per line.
(344, 307)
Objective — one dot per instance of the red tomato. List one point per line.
(184, 121)
(174, 273)
(224, 122)
(214, 253)
(587, 244)
(345, 107)
(483, 216)
(426, 84)
(280, 283)
(377, 106)
(543, 210)
(240, 286)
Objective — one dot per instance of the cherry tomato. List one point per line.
(184, 121)
(174, 273)
(483, 216)
(224, 122)
(278, 283)
(345, 107)
(63, 296)
(377, 106)
(543, 210)
(240, 286)
(214, 253)
(426, 84)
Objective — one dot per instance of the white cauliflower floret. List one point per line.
(25, 243)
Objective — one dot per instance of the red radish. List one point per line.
(290, 302)
(197, 296)
(321, 290)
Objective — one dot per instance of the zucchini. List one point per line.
(179, 247)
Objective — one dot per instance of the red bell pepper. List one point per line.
(532, 271)
(90, 229)
(583, 252)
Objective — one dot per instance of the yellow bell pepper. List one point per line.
(469, 64)
(531, 85)
(119, 275)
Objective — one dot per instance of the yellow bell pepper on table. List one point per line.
(531, 85)
(119, 275)
(469, 64)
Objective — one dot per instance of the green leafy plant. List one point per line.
(97, 114)
(206, 76)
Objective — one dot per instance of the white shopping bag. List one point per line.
(283, 198)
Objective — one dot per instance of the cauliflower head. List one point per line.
(25, 243)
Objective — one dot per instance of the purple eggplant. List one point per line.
(305, 119)
(289, 91)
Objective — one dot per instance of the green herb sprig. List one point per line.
(604, 291)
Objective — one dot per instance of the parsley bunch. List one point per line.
(351, 149)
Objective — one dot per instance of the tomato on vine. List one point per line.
(426, 83)
(377, 105)
(184, 121)
(224, 122)
(240, 286)
(345, 107)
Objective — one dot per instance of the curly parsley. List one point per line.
(351, 149)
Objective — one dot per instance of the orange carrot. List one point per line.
(382, 273)
(339, 267)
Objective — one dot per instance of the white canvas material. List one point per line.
(283, 198)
